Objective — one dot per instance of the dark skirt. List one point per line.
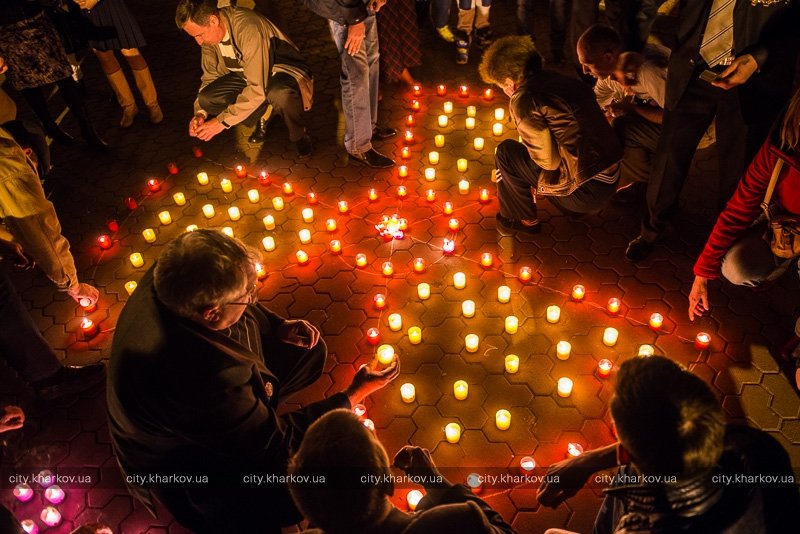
(115, 26)
(34, 53)
(398, 38)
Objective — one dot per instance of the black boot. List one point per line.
(260, 133)
(38, 104)
(71, 92)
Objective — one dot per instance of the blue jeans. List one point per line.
(359, 81)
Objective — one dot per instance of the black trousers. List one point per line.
(520, 174)
(283, 94)
(681, 131)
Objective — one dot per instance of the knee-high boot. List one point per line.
(71, 92)
(144, 82)
(119, 84)
(35, 98)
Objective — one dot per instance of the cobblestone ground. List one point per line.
(746, 329)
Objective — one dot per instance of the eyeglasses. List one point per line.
(251, 296)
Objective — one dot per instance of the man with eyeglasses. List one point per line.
(198, 369)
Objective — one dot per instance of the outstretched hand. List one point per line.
(299, 333)
(698, 297)
(12, 418)
(367, 381)
(16, 253)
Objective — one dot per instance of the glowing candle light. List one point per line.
(610, 336)
(343, 206)
(469, 123)
(553, 314)
(335, 246)
(379, 301)
(165, 218)
(29, 526)
(472, 111)
(268, 243)
(604, 367)
(136, 259)
(302, 257)
(402, 191)
(424, 291)
(512, 324)
(408, 392)
(419, 265)
(373, 336)
(487, 259)
(447, 107)
(50, 516)
(149, 235)
(361, 259)
(613, 306)
(359, 410)
(23, 492)
(308, 215)
(449, 246)
(461, 165)
(527, 464)
(574, 449)
(415, 105)
(447, 208)
(441, 89)
(330, 225)
(131, 203)
(130, 287)
(112, 225)
(88, 328)
(402, 171)
(433, 157)
(395, 322)
(478, 143)
(305, 236)
(312, 199)
(153, 185)
(438, 140)
(408, 137)
(253, 196)
(54, 494)
(512, 363)
(234, 213)
(578, 292)
(702, 341)
(288, 189)
(385, 355)
(192, 228)
(564, 386)
(430, 174)
(430, 195)
(179, 198)
(264, 179)
(202, 178)
(277, 203)
(387, 268)
(416, 90)
(468, 308)
(261, 271)
(269, 222)
(46, 478)
(410, 120)
(452, 432)
(241, 171)
(502, 419)
(228, 231)
(442, 121)
(226, 185)
(472, 341)
(372, 195)
(503, 294)
(460, 389)
(369, 424)
(459, 280)
(656, 320)
(488, 94)
(499, 114)
(415, 335)
(463, 91)
(645, 351)
(453, 225)
(563, 348)
(413, 498)
(525, 273)
(104, 241)
(497, 128)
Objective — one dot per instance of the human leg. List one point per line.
(517, 175)
(119, 84)
(35, 99)
(588, 198)
(559, 22)
(144, 82)
(750, 261)
(440, 12)
(222, 92)
(73, 95)
(283, 94)
(639, 138)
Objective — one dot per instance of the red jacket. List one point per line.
(744, 206)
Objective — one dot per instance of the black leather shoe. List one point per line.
(374, 159)
(304, 147)
(260, 133)
(70, 380)
(378, 134)
(638, 249)
(517, 226)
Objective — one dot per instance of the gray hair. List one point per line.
(197, 11)
(203, 269)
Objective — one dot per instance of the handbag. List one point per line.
(783, 231)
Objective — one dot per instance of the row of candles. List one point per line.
(53, 494)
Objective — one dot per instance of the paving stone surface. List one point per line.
(747, 329)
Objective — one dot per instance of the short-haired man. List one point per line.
(198, 369)
(568, 153)
(682, 469)
(355, 496)
(250, 70)
(630, 88)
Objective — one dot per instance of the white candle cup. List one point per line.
(563, 349)
(442, 121)
(269, 222)
(499, 114)
(415, 335)
(497, 129)
(165, 218)
(469, 123)
(395, 322)
(408, 392)
(269, 243)
(502, 419)
(253, 196)
(226, 185)
(447, 107)
(234, 213)
(430, 174)
(452, 432)
(512, 363)
(305, 236)
(472, 111)
(433, 157)
(202, 178)
(277, 203)
(564, 387)
(478, 143)
(512, 324)
(461, 165)
(472, 342)
(610, 336)
(503, 294)
(460, 389)
(424, 291)
(308, 215)
(553, 314)
(179, 198)
(463, 186)
(459, 280)
(468, 308)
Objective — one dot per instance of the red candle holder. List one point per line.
(419, 265)
(112, 225)
(104, 242)
(88, 328)
(449, 246)
(379, 301)
(264, 179)
(463, 91)
(488, 94)
(288, 189)
(578, 292)
(409, 137)
(153, 185)
(361, 260)
(197, 151)
(373, 195)
(261, 271)
(574, 449)
(240, 171)
(402, 191)
(604, 367)
(410, 120)
(453, 225)
(416, 90)
(343, 206)
(484, 196)
(373, 336)
(430, 195)
(656, 321)
(448, 208)
(172, 168)
(405, 153)
(402, 171)
(387, 269)
(330, 225)
(702, 341)
(613, 306)
(335, 246)
(302, 257)
(487, 260)
(415, 105)
(131, 203)
(441, 89)
(312, 199)
(525, 274)
(87, 305)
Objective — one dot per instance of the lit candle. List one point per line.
(277, 203)
(461, 165)
(449, 246)
(261, 271)
(702, 341)
(416, 90)
(202, 178)
(372, 195)
(527, 464)
(433, 157)
(165, 218)
(419, 265)
(179, 198)
(373, 336)
(613, 306)
(269, 222)
(448, 107)
(472, 111)
(335, 246)
(402, 191)
(424, 291)
(408, 137)
(525, 273)
(468, 308)
(512, 324)
(574, 449)
(192, 228)
(563, 348)
(610, 336)
(472, 341)
(234, 213)
(369, 424)
(415, 335)
(312, 199)
(442, 121)
(512, 363)
(172, 168)
(330, 225)
(253, 196)
(452, 432)
(149, 235)
(264, 179)
(379, 301)
(478, 143)
(131, 203)
(226, 185)
(463, 91)
(441, 90)
(269, 243)
(407, 392)
(23, 492)
(305, 236)
(54, 494)
(430, 174)
(402, 171)
(343, 206)
(447, 208)
(430, 195)
(112, 224)
(361, 259)
(410, 120)
(438, 140)
(288, 189)
(359, 410)
(460, 389)
(413, 498)
(228, 231)
(487, 259)
(453, 225)
(604, 367)
(578, 292)
(50, 516)
(488, 94)
(105, 243)
(564, 387)
(395, 322)
(459, 280)
(29, 526)
(302, 257)
(469, 123)
(387, 268)
(497, 128)
(385, 355)
(415, 105)
(130, 287)
(645, 351)
(88, 328)
(503, 294)
(502, 419)
(136, 259)
(241, 171)
(656, 320)
(308, 215)
(499, 114)
(553, 314)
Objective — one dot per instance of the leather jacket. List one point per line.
(564, 130)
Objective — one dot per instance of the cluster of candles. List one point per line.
(53, 494)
